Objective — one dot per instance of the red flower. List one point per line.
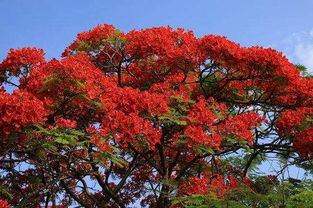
(21, 59)
(4, 204)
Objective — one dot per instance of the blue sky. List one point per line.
(52, 24)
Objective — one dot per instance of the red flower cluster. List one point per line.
(128, 113)
(19, 59)
(4, 204)
(91, 40)
(19, 110)
(299, 124)
(74, 74)
(103, 145)
(304, 142)
(65, 123)
(207, 184)
(241, 126)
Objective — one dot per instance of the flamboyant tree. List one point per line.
(152, 118)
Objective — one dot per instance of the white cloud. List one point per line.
(298, 47)
(304, 53)
(311, 33)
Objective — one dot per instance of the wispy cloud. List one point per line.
(304, 53)
(299, 48)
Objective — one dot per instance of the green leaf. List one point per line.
(61, 140)
(204, 149)
(182, 123)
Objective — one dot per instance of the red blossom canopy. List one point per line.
(149, 115)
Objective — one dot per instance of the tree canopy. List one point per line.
(153, 118)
